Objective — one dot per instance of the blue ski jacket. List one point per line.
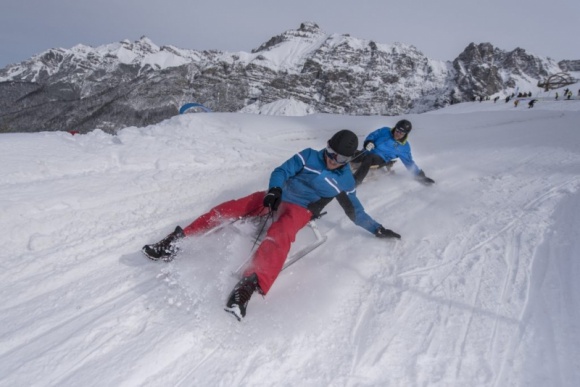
(388, 148)
(306, 181)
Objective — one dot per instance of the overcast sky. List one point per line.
(441, 29)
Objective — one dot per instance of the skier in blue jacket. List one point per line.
(298, 191)
(386, 144)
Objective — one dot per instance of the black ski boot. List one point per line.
(239, 297)
(165, 249)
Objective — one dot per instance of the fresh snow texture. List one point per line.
(482, 289)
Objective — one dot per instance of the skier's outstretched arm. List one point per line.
(355, 211)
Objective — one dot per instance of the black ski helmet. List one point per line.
(344, 142)
(404, 126)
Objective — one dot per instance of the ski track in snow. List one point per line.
(480, 291)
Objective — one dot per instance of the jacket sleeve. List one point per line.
(374, 136)
(355, 211)
(316, 207)
(407, 160)
(288, 169)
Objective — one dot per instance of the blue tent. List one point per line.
(193, 107)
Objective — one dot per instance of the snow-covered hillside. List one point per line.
(482, 289)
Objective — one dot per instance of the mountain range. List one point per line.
(139, 83)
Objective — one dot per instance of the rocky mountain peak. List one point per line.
(146, 46)
(477, 53)
(309, 27)
(139, 83)
(484, 70)
(305, 31)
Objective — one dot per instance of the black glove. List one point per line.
(384, 233)
(273, 198)
(421, 178)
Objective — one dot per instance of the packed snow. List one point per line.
(482, 289)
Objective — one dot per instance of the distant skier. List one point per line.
(531, 103)
(385, 145)
(298, 191)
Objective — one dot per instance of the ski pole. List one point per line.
(269, 215)
(359, 155)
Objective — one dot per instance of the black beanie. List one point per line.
(344, 142)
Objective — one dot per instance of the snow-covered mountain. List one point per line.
(140, 83)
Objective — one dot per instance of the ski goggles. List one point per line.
(337, 158)
(402, 130)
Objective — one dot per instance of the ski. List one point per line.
(320, 239)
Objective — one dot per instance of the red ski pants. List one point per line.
(270, 256)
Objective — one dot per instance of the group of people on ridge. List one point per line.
(567, 94)
(298, 191)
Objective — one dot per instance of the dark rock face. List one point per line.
(138, 83)
(569, 65)
(483, 70)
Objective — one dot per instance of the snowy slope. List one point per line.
(482, 289)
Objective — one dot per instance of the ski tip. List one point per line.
(235, 311)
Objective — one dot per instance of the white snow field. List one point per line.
(483, 289)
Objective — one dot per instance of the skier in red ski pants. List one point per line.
(298, 191)
(269, 257)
